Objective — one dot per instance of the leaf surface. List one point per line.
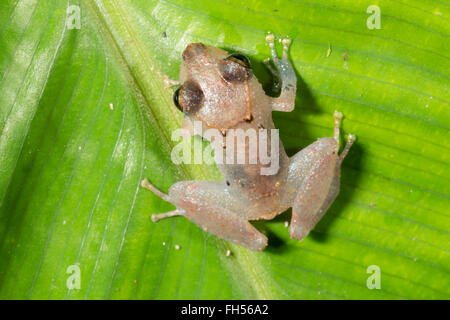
(85, 115)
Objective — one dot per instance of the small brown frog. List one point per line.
(220, 90)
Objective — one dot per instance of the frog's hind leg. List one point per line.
(318, 185)
(317, 168)
(210, 205)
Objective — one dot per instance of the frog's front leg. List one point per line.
(210, 205)
(285, 73)
(315, 174)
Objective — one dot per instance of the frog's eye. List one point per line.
(189, 97)
(235, 68)
(239, 58)
(175, 99)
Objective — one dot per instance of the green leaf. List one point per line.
(85, 115)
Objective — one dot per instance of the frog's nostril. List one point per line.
(192, 50)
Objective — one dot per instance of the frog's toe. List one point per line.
(177, 212)
(270, 40)
(286, 44)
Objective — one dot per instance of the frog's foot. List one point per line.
(284, 71)
(147, 185)
(351, 137)
(177, 212)
(337, 122)
(156, 217)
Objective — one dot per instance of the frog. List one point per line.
(219, 90)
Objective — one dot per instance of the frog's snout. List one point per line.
(193, 49)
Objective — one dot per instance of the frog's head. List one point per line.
(216, 87)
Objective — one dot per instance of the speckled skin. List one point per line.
(224, 94)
